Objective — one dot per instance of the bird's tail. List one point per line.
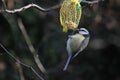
(68, 61)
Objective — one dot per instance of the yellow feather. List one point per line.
(76, 41)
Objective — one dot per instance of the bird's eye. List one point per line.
(83, 30)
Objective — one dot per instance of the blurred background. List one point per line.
(99, 61)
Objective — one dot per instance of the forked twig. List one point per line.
(13, 57)
(30, 46)
(20, 70)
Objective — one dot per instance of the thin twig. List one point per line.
(29, 6)
(20, 70)
(30, 46)
(4, 4)
(13, 57)
(91, 2)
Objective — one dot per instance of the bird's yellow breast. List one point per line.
(76, 41)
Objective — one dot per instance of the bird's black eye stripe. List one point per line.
(83, 30)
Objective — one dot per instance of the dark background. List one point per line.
(99, 61)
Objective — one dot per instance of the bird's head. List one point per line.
(84, 32)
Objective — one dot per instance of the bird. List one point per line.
(76, 43)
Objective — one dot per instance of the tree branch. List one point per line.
(4, 4)
(30, 46)
(40, 8)
(13, 57)
(91, 2)
(20, 70)
(29, 6)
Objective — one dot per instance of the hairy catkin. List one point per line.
(70, 14)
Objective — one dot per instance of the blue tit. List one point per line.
(76, 43)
